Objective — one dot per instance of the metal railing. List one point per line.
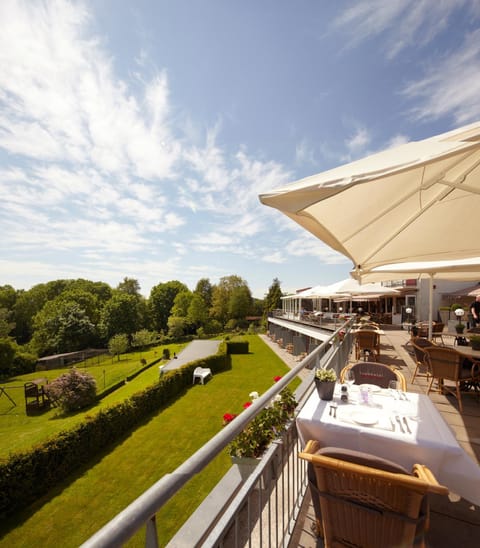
(278, 483)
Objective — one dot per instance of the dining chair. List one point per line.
(421, 363)
(364, 501)
(437, 331)
(375, 373)
(447, 364)
(367, 342)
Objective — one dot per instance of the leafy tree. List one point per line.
(230, 298)
(162, 297)
(73, 390)
(181, 304)
(273, 300)
(143, 338)
(120, 315)
(62, 326)
(177, 327)
(118, 344)
(205, 289)
(27, 305)
(8, 296)
(129, 286)
(6, 326)
(7, 353)
(197, 311)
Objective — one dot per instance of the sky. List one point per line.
(135, 137)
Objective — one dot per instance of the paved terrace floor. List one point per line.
(454, 521)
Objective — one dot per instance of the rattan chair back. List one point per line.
(419, 344)
(375, 373)
(363, 506)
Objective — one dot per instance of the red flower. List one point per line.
(247, 404)
(228, 417)
(277, 378)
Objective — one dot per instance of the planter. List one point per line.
(325, 389)
(246, 465)
(475, 344)
(459, 330)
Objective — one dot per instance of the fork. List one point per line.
(402, 429)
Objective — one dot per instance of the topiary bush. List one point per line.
(73, 390)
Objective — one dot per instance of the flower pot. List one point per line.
(459, 329)
(325, 389)
(475, 344)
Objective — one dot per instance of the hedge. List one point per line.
(24, 477)
(237, 347)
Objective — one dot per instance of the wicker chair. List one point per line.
(421, 363)
(368, 342)
(363, 501)
(437, 331)
(449, 364)
(375, 373)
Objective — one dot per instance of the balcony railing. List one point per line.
(264, 509)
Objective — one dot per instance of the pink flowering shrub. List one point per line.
(73, 390)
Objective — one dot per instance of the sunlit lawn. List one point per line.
(97, 494)
(19, 431)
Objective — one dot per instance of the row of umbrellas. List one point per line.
(346, 288)
(412, 210)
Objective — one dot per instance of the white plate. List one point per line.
(372, 387)
(365, 417)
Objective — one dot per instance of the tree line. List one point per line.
(69, 315)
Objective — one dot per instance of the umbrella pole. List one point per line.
(430, 309)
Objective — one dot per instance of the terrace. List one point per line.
(272, 506)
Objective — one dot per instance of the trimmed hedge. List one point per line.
(237, 347)
(25, 477)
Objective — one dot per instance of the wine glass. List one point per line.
(349, 377)
(392, 386)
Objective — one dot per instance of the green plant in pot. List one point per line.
(459, 312)
(325, 383)
(474, 341)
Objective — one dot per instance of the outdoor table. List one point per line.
(374, 429)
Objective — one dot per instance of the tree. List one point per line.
(62, 326)
(197, 311)
(177, 327)
(129, 286)
(6, 325)
(143, 338)
(229, 299)
(73, 390)
(273, 300)
(162, 297)
(7, 353)
(118, 344)
(204, 289)
(120, 315)
(181, 304)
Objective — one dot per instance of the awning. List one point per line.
(310, 331)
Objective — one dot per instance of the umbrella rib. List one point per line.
(450, 186)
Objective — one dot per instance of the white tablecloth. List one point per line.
(430, 442)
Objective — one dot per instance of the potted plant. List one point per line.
(325, 382)
(248, 447)
(474, 339)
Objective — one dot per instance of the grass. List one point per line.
(79, 507)
(20, 431)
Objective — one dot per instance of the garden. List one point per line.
(96, 492)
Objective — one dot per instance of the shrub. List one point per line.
(73, 390)
(166, 353)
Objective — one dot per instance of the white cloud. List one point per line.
(451, 86)
(359, 141)
(402, 23)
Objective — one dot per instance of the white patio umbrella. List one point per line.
(416, 202)
(463, 269)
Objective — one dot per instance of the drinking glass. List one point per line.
(349, 377)
(392, 385)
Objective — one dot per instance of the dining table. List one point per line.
(403, 427)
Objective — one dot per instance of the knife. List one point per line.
(406, 424)
(393, 424)
(400, 424)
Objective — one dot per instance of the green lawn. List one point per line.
(96, 494)
(19, 431)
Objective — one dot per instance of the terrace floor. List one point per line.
(454, 521)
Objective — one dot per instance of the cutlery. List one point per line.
(393, 424)
(406, 424)
(402, 429)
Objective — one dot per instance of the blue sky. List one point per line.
(135, 137)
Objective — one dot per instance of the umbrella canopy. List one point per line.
(416, 202)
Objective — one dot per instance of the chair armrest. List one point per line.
(475, 367)
(424, 473)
